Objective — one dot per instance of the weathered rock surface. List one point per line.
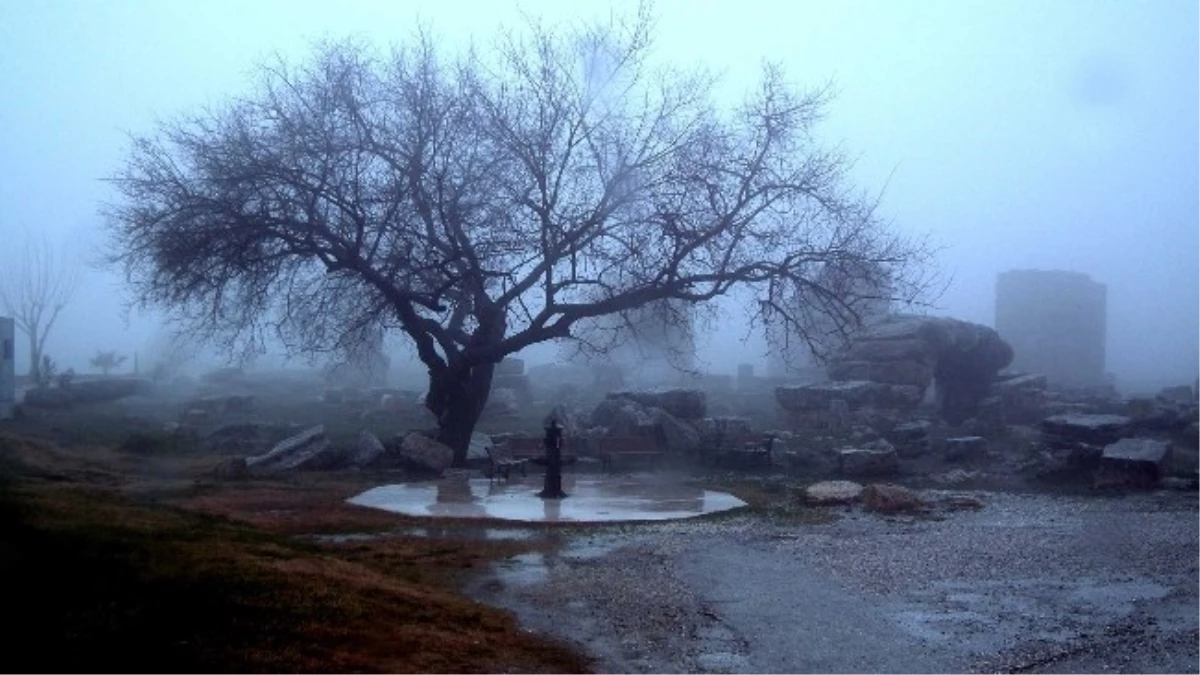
(890, 499)
(426, 453)
(1023, 396)
(678, 437)
(1133, 462)
(911, 438)
(964, 448)
(833, 492)
(309, 449)
(624, 417)
(685, 404)
(867, 461)
(245, 437)
(856, 393)
(1082, 428)
(367, 450)
(961, 357)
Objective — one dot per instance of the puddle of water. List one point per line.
(591, 499)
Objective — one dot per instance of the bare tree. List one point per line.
(487, 202)
(34, 291)
(106, 361)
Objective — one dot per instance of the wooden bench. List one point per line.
(620, 448)
(745, 450)
(501, 461)
(522, 450)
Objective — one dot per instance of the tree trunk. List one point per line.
(457, 397)
(35, 361)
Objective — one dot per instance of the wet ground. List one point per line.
(1029, 583)
(591, 498)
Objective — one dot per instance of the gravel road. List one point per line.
(1029, 583)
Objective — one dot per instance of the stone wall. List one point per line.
(1056, 322)
(8, 370)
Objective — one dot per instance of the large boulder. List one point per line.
(857, 394)
(367, 450)
(244, 437)
(1133, 462)
(868, 461)
(426, 453)
(833, 492)
(309, 449)
(685, 404)
(1075, 428)
(891, 499)
(964, 448)
(679, 438)
(1023, 396)
(624, 417)
(960, 357)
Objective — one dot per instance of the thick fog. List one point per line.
(1018, 134)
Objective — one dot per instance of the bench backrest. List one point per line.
(619, 444)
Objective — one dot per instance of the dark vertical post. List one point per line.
(552, 484)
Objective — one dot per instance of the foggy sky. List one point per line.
(1018, 134)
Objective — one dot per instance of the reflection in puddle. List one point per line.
(592, 499)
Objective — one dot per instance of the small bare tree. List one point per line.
(34, 291)
(489, 202)
(106, 361)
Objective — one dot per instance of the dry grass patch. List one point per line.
(104, 581)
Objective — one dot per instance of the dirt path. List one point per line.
(1030, 583)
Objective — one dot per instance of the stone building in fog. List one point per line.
(1056, 322)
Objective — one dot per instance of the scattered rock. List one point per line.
(955, 477)
(1133, 462)
(368, 449)
(307, 450)
(856, 393)
(1180, 394)
(1022, 397)
(867, 461)
(911, 438)
(890, 499)
(678, 437)
(232, 468)
(833, 492)
(426, 453)
(684, 404)
(959, 502)
(965, 448)
(1081, 428)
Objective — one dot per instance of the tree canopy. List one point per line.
(483, 202)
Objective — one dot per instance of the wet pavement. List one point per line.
(1028, 583)
(591, 499)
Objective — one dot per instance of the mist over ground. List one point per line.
(1018, 135)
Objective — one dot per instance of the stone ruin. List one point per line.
(891, 365)
(1056, 322)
